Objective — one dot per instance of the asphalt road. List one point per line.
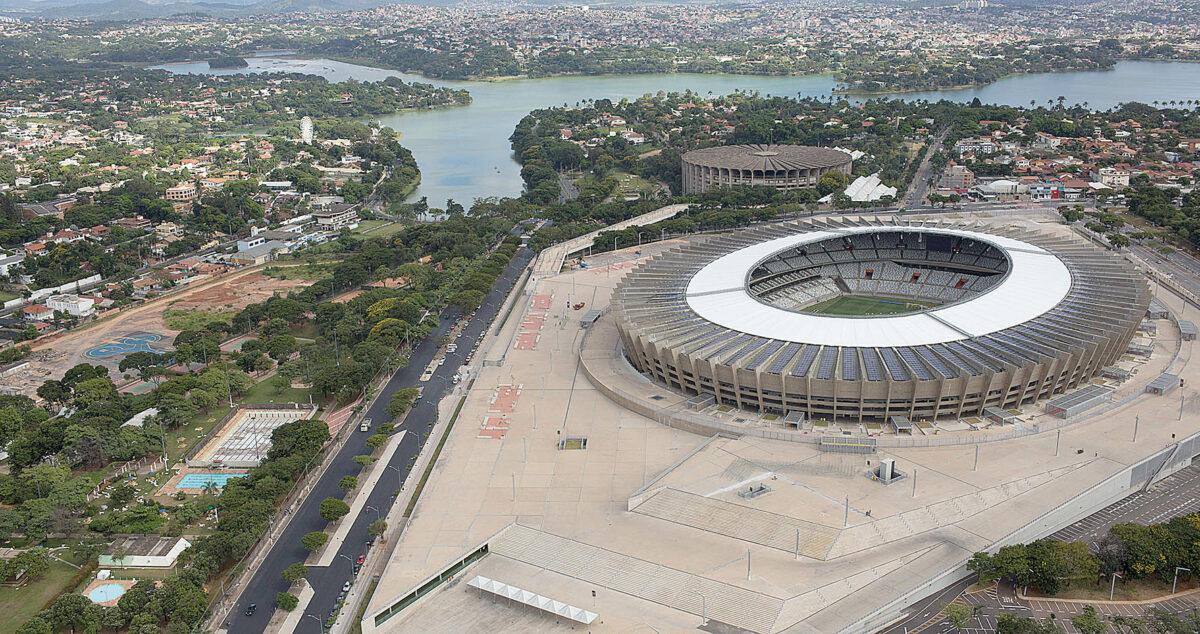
(327, 582)
(1182, 267)
(919, 186)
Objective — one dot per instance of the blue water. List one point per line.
(201, 480)
(106, 592)
(464, 152)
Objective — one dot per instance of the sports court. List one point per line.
(126, 344)
(244, 439)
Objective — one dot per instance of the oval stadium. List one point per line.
(778, 166)
(862, 320)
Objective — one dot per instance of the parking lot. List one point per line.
(1177, 494)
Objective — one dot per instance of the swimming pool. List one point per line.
(201, 480)
(106, 592)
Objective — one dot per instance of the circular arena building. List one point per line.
(778, 166)
(865, 320)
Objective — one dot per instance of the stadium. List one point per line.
(869, 320)
(778, 166)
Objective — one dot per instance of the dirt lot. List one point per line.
(231, 292)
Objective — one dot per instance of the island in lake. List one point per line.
(229, 61)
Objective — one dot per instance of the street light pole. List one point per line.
(1112, 589)
(372, 508)
(703, 608)
(1176, 581)
(320, 623)
(399, 477)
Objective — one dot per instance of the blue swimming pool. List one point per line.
(201, 480)
(106, 592)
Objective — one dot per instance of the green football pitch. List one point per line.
(859, 305)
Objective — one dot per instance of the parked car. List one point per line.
(251, 609)
(346, 587)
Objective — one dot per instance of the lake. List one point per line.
(464, 152)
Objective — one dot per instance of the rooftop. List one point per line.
(767, 157)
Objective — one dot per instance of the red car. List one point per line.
(361, 559)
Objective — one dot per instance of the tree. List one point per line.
(377, 528)
(36, 625)
(314, 540)
(1009, 624)
(333, 509)
(363, 459)
(377, 440)
(1088, 621)
(467, 300)
(959, 615)
(402, 400)
(74, 612)
(286, 601)
(348, 483)
(831, 182)
(295, 572)
(121, 494)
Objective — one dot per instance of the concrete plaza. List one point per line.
(649, 526)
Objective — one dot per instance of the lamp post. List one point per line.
(399, 477)
(1112, 589)
(351, 563)
(372, 508)
(1176, 581)
(320, 623)
(703, 608)
(640, 237)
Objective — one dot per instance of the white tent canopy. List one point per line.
(531, 599)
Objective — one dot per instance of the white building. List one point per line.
(869, 189)
(7, 263)
(72, 304)
(144, 551)
(139, 419)
(1002, 190)
(1113, 177)
(306, 130)
(336, 217)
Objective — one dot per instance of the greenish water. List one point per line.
(464, 152)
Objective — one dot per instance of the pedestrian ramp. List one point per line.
(739, 522)
(938, 514)
(639, 578)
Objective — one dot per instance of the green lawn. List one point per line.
(7, 296)
(307, 271)
(18, 605)
(194, 319)
(182, 439)
(860, 305)
(264, 392)
(378, 228)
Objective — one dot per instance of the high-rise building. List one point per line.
(306, 130)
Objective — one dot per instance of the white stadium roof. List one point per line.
(1036, 282)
